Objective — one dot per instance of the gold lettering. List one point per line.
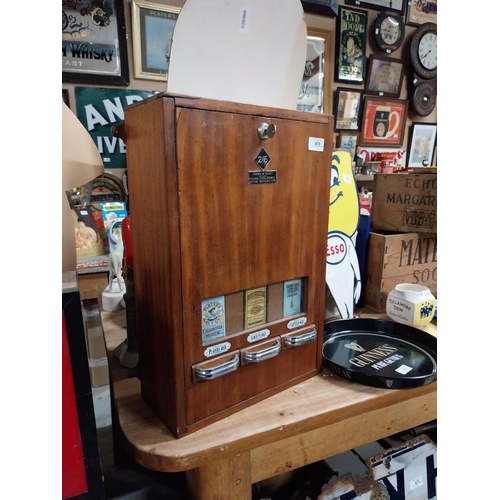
(373, 355)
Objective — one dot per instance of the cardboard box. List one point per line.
(395, 258)
(405, 203)
(96, 349)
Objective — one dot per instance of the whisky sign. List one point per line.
(351, 45)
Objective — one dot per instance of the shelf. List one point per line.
(362, 177)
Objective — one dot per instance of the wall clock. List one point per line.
(423, 51)
(423, 56)
(389, 31)
(424, 98)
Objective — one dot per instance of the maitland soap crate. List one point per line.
(405, 203)
(395, 258)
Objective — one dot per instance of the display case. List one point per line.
(229, 204)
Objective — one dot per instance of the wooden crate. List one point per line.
(405, 203)
(399, 258)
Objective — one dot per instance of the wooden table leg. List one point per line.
(226, 478)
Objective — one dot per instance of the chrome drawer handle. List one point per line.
(218, 371)
(293, 341)
(268, 352)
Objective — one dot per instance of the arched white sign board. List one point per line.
(243, 51)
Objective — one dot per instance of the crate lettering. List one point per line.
(399, 258)
(411, 199)
(425, 251)
(405, 203)
(418, 218)
(424, 276)
(421, 182)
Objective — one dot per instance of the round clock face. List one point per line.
(389, 31)
(423, 50)
(427, 51)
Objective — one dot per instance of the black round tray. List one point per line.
(380, 353)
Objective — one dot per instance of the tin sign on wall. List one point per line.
(101, 109)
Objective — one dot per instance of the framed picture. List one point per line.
(384, 77)
(94, 45)
(152, 30)
(347, 109)
(349, 141)
(328, 8)
(384, 122)
(421, 144)
(314, 95)
(397, 5)
(421, 11)
(350, 49)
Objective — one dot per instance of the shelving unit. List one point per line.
(364, 178)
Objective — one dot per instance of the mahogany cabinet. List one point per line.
(229, 204)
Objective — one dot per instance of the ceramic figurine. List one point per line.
(115, 263)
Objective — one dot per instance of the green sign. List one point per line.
(99, 110)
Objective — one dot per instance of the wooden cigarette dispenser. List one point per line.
(229, 204)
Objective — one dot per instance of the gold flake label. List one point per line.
(255, 307)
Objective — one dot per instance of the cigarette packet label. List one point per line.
(292, 297)
(213, 319)
(255, 307)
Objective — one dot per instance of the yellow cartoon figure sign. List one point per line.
(343, 276)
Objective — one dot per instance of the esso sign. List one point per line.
(336, 249)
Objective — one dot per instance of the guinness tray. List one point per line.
(380, 353)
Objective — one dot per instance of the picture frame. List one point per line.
(315, 89)
(384, 76)
(384, 121)
(347, 109)
(350, 47)
(422, 144)
(349, 141)
(396, 5)
(420, 12)
(328, 8)
(94, 44)
(152, 23)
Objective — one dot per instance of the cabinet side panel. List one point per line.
(152, 178)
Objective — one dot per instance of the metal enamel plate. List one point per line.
(380, 353)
